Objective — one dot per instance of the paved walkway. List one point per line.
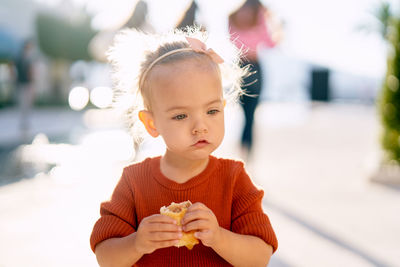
(57, 123)
(314, 163)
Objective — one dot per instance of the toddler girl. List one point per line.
(180, 98)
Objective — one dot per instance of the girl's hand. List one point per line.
(157, 231)
(201, 219)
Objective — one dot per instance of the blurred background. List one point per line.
(326, 129)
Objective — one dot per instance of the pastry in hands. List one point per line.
(177, 211)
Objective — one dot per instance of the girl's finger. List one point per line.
(164, 236)
(196, 225)
(195, 215)
(197, 206)
(166, 244)
(163, 227)
(158, 218)
(202, 234)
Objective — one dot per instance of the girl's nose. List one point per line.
(199, 125)
(197, 131)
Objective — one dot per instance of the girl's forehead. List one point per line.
(173, 83)
(168, 72)
(200, 61)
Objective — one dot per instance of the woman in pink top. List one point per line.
(249, 31)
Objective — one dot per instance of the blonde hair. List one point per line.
(133, 55)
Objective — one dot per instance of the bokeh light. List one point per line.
(78, 98)
(101, 96)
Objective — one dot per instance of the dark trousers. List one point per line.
(252, 87)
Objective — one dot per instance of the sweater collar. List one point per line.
(192, 182)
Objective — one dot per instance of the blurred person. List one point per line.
(189, 16)
(251, 29)
(25, 88)
(193, 17)
(137, 20)
(177, 84)
(100, 43)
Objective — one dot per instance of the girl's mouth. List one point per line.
(201, 143)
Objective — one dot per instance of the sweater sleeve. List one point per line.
(117, 216)
(248, 217)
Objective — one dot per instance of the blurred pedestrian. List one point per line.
(177, 82)
(250, 30)
(25, 88)
(189, 17)
(138, 19)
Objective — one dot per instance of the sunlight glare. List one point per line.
(78, 98)
(109, 145)
(101, 96)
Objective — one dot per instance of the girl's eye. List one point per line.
(179, 117)
(213, 111)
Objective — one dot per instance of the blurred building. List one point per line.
(17, 17)
(19, 22)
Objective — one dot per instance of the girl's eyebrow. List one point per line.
(184, 107)
(216, 101)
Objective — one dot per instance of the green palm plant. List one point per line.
(383, 13)
(389, 102)
(389, 99)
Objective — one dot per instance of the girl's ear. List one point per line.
(146, 117)
(224, 102)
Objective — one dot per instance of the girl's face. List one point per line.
(188, 107)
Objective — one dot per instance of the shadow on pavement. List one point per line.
(393, 187)
(323, 234)
(276, 261)
(13, 166)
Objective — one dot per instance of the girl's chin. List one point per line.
(192, 155)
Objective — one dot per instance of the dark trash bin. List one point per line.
(319, 88)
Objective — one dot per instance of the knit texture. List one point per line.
(223, 186)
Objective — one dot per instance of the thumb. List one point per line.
(201, 234)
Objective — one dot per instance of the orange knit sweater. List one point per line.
(223, 186)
